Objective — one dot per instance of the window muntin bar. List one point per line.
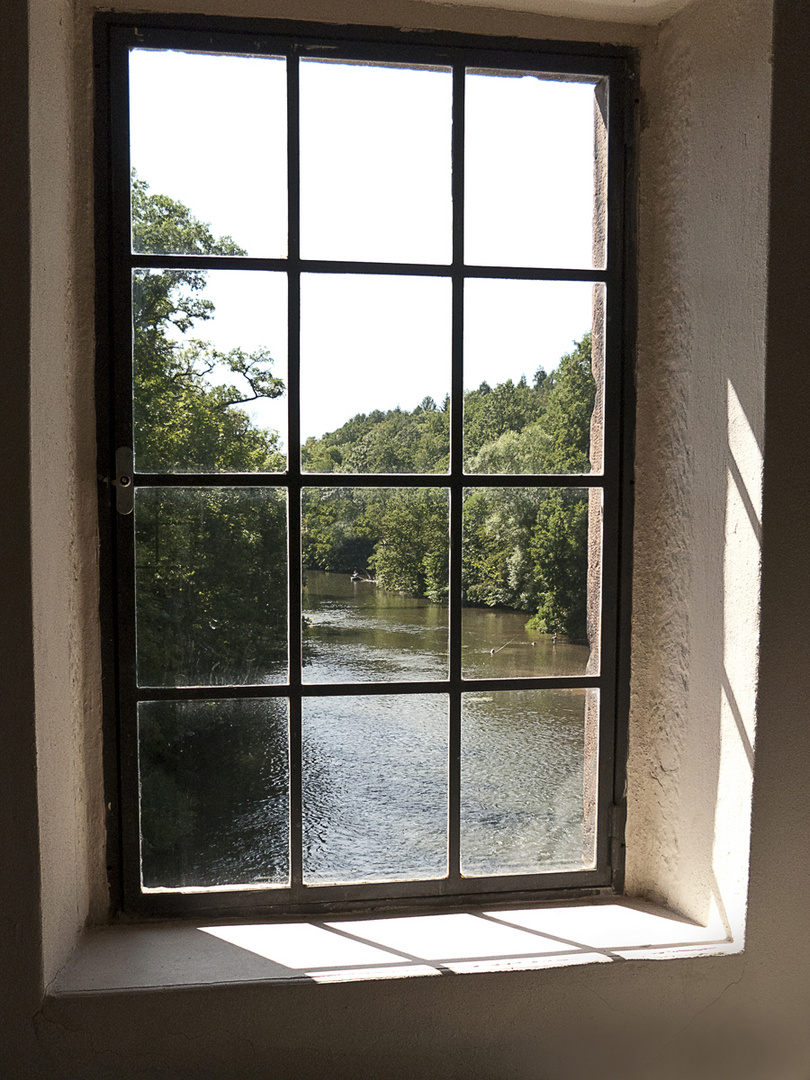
(600, 486)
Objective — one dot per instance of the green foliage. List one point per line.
(568, 416)
(182, 422)
(489, 414)
(496, 569)
(211, 585)
(410, 528)
(523, 548)
(384, 442)
(559, 550)
(333, 537)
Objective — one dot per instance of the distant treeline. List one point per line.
(522, 548)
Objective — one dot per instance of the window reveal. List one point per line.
(370, 378)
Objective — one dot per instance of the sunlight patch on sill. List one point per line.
(350, 949)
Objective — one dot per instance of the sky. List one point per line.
(375, 186)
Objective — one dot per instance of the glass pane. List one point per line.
(532, 376)
(375, 788)
(214, 793)
(375, 584)
(375, 162)
(211, 586)
(375, 372)
(211, 179)
(531, 560)
(528, 781)
(209, 369)
(529, 171)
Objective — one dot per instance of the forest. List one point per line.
(523, 548)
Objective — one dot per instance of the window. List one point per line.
(363, 390)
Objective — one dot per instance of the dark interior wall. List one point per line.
(20, 953)
(779, 936)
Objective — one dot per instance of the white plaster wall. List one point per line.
(63, 492)
(646, 12)
(703, 218)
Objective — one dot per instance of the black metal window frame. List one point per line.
(115, 36)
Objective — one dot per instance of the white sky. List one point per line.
(375, 185)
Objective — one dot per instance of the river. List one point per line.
(375, 768)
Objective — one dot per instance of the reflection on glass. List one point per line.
(375, 162)
(225, 159)
(536, 551)
(375, 584)
(530, 376)
(375, 788)
(214, 779)
(211, 586)
(209, 370)
(375, 351)
(528, 769)
(529, 171)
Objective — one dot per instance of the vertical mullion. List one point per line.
(294, 473)
(456, 477)
(124, 368)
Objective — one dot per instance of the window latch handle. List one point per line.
(124, 481)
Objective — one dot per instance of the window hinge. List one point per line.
(124, 487)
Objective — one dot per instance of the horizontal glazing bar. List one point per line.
(193, 693)
(375, 480)
(325, 266)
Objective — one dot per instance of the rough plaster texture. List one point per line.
(564, 24)
(702, 280)
(700, 390)
(646, 12)
(63, 499)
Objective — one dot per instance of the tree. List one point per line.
(411, 551)
(559, 541)
(490, 413)
(183, 422)
(568, 415)
(559, 551)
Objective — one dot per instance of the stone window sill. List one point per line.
(171, 956)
